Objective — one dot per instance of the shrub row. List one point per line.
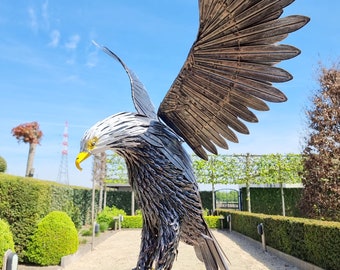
(24, 201)
(137, 222)
(6, 240)
(105, 219)
(268, 201)
(313, 241)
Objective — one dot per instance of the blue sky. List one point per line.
(51, 72)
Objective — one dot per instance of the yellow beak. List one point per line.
(80, 158)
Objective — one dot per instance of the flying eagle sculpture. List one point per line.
(228, 73)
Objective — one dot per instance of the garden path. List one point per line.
(120, 252)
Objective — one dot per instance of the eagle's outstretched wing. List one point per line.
(229, 69)
(140, 97)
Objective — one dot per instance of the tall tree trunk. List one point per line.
(30, 159)
(283, 199)
(105, 193)
(213, 198)
(101, 190)
(248, 196)
(132, 203)
(248, 179)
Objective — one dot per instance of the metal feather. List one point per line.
(228, 73)
(139, 94)
(229, 69)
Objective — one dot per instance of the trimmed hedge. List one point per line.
(24, 201)
(22, 204)
(106, 216)
(82, 198)
(6, 239)
(213, 222)
(132, 222)
(120, 199)
(268, 201)
(310, 240)
(56, 236)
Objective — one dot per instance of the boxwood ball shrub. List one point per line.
(6, 240)
(55, 237)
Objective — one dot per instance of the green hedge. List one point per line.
(132, 222)
(120, 199)
(24, 201)
(106, 216)
(137, 221)
(206, 198)
(213, 222)
(268, 201)
(82, 199)
(22, 204)
(313, 241)
(6, 239)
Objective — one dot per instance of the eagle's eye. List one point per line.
(92, 143)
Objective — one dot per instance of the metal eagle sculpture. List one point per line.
(229, 70)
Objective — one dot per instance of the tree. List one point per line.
(99, 175)
(278, 168)
(116, 169)
(247, 173)
(28, 133)
(216, 170)
(3, 164)
(321, 178)
(249, 169)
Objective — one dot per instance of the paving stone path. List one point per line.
(120, 251)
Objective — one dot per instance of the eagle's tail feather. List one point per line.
(211, 253)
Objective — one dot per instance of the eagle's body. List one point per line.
(228, 73)
(159, 165)
(161, 175)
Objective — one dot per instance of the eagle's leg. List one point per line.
(148, 248)
(168, 244)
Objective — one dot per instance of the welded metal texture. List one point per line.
(229, 70)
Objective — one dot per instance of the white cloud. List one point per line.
(39, 20)
(33, 19)
(44, 13)
(55, 38)
(73, 42)
(70, 61)
(92, 59)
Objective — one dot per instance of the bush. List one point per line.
(213, 222)
(24, 201)
(86, 232)
(3, 165)
(6, 239)
(132, 222)
(56, 236)
(106, 216)
(103, 226)
(310, 240)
